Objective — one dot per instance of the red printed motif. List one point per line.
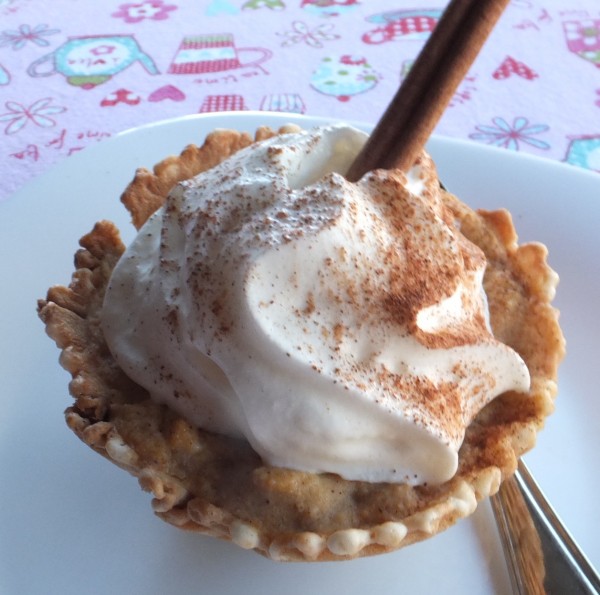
(402, 25)
(120, 96)
(583, 39)
(511, 66)
(64, 142)
(199, 54)
(223, 103)
(167, 92)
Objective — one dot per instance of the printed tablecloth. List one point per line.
(75, 72)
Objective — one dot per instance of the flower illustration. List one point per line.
(19, 38)
(312, 37)
(18, 116)
(508, 136)
(154, 10)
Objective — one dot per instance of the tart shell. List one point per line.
(219, 486)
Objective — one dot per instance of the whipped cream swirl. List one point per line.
(337, 327)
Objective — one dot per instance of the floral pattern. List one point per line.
(508, 136)
(154, 10)
(18, 115)
(19, 38)
(301, 33)
(142, 61)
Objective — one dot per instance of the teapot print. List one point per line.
(92, 60)
(344, 76)
(583, 39)
(402, 25)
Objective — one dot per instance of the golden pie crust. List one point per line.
(219, 486)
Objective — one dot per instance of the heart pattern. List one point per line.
(167, 92)
(511, 66)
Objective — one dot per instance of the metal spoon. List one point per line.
(541, 555)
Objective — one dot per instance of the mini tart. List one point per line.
(219, 486)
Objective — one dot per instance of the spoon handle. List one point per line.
(541, 555)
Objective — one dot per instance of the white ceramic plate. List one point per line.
(70, 522)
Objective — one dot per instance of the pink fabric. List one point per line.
(73, 73)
